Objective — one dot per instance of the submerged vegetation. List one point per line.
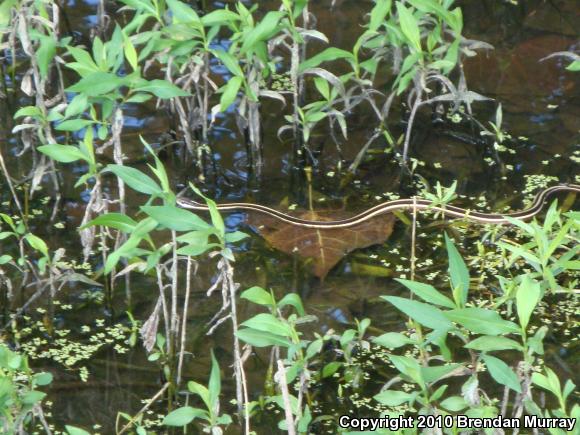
(194, 322)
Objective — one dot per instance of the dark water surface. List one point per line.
(541, 110)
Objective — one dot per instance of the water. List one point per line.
(541, 104)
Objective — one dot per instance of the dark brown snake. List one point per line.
(391, 206)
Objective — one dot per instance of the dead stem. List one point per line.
(145, 408)
(184, 320)
(413, 240)
(229, 288)
(11, 186)
(416, 105)
(161, 288)
(282, 383)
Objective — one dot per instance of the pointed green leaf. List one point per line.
(458, 271)
(425, 314)
(175, 218)
(428, 293)
(502, 373)
(135, 179)
(482, 321)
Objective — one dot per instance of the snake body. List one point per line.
(391, 206)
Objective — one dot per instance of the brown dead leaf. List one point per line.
(325, 247)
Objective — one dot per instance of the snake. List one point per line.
(390, 207)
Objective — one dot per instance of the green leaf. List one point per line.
(43, 378)
(201, 391)
(427, 315)
(392, 340)
(183, 416)
(62, 153)
(182, 13)
(5, 259)
(393, 397)
(536, 343)
(261, 338)
(130, 52)
(219, 16)
(37, 243)
(549, 382)
(490, 343)
(428, 293)
(262, 32)
(454, 404)
(72, 430)
(214, 385)
(441, 64)
(195, 250)
(458, 271)
(32, 397)
(230, 92)
(139, 98)
(96, 84)
(5, 15)
(502, 373)
(435, 373)
(235, 237)
(230, 62)
(379, 13)
(74, 124)
(83, 58)
(409, 367)
(135, 179)
(268, 323)
(258, 296)
(294, 300)
(118, 221)
(482, 321)
(330, 53)
(331, 368)
(196, 238)
(409, 26)
(175, 218)
(162, 89)
(76, 106)
(27, 111)
(574, 66)
(45, 54)
(527, 297)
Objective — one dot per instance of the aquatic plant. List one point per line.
(71, 96)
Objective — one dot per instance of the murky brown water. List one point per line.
(541, 102)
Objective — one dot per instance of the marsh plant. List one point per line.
(74, 95)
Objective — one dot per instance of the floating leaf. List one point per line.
(326, 247)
